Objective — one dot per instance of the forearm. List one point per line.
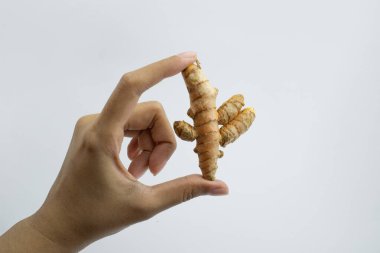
(24, 237)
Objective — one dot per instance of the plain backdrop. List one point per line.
(305, 178)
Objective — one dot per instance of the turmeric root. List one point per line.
(185, 131)
(206, 119)
(236, 127)
(230, 109)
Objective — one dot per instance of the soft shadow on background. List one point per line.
(305, 178)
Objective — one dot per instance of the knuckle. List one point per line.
(90, 141)
(157, 106)
(159, 110)
(126, 79)
(81, 122)
(129, 82)
(85, 121)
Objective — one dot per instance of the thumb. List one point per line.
(179, 190)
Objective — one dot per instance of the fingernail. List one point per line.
(188, 54)
(218, 191)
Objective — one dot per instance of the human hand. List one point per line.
(94, 195)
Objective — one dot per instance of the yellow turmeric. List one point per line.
(230, 109)
(206, 119)
(236, 127)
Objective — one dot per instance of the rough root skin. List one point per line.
(185, 131)
(203, 111)
(239, 125)
(230, 109)
(206, 119)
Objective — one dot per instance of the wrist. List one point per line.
(50, 231)
(24, 236)
(58, 226)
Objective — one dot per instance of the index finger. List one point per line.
(124, 98)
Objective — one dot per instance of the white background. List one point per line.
(305, 178)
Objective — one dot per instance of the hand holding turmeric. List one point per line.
(207, 119)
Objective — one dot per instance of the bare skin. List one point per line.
(94, 195)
